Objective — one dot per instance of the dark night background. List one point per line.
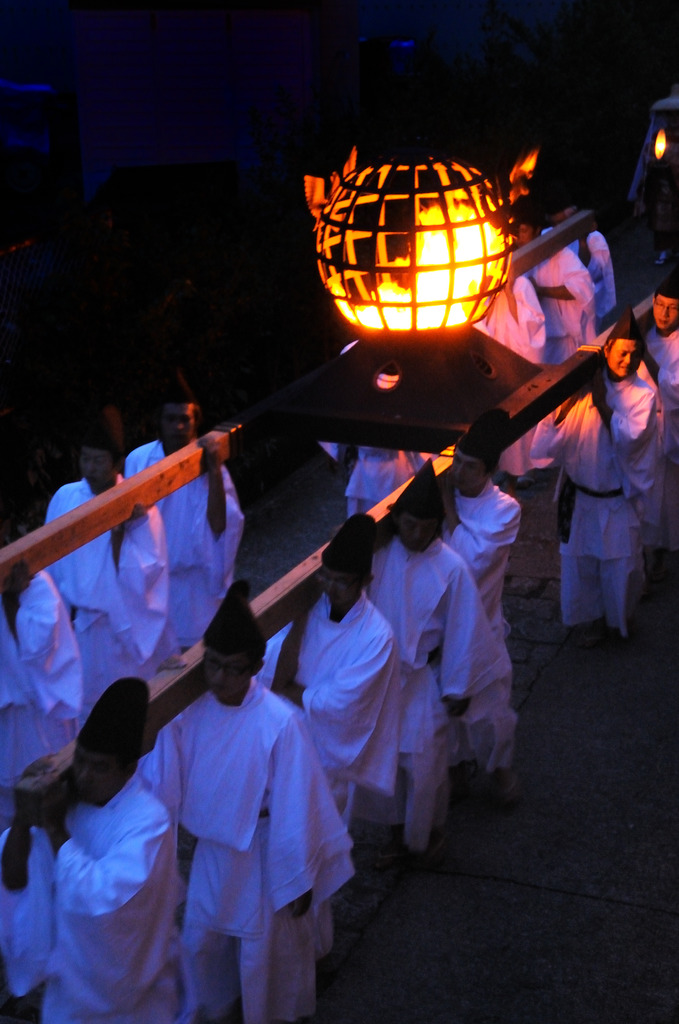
(211, 265)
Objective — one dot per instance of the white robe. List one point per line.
(602, 564)
(489, 524)
(662, 527)
(247, 782)
(525, 336)
(97, 920)
(40, 684)
(201, 565)
(375, 474)
(600, 269)
(121, 616)
(350, 671)
(569, 323)
(447, 648)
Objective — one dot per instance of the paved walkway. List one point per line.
(564, 909)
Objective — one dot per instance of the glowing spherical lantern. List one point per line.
(414, 242)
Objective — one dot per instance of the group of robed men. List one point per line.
(379, 703)
(398, 672)
(122, 603)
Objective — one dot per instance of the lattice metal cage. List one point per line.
(413, 242)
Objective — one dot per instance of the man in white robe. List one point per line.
(340, 665)
(594, 253)
(563, 286)
(40, 679)
(605, 440)
(481, 524)
(516, 320)
(592, 250)
(373, 472)
(661, 532)
(116, 585)
(203, 519)
(239, 771)
(90, 885)
(448, 655)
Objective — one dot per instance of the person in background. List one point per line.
(516, 320)
(203, 519)
(592, 250)
(481, 524)
(605, 440)
(563, 286)
(448, 654)
(661, 366)
(339, 664)
(655, 186)
(116, 586)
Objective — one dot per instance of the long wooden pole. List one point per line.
(173, 690)
(94, 517)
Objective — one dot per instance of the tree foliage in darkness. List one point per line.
(219, 276)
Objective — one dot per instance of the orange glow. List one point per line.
(660, 144)
(521, 173)
(403, 246)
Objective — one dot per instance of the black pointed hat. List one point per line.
(115, 725)
(351, 549)
(422, 497)
(234, 629)
(486, 438)
(525, 210)
(177, 390)
(627, 327)
(106, 433)
(669, 286)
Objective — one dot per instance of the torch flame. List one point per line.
(660, 144)
(424, 255)
(521, 173)
(433, 287)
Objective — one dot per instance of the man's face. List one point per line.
(343, 590)
(666, 315)
(98, 468)
(469, 474)
(98, 777)
(622, 358)
(526, 233)
(178, 425)
(415, 534)
(228, 676)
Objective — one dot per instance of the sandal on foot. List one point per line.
(592, 635)
(391, 856)
(507, 787)
(435, 853)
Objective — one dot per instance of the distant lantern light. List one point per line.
(415, 242)
(660, 144)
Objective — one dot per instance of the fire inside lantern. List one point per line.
(411, 243)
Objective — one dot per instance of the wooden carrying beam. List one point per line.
(541, 248)
(45, 545)
(70, 531)
(173, 690)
